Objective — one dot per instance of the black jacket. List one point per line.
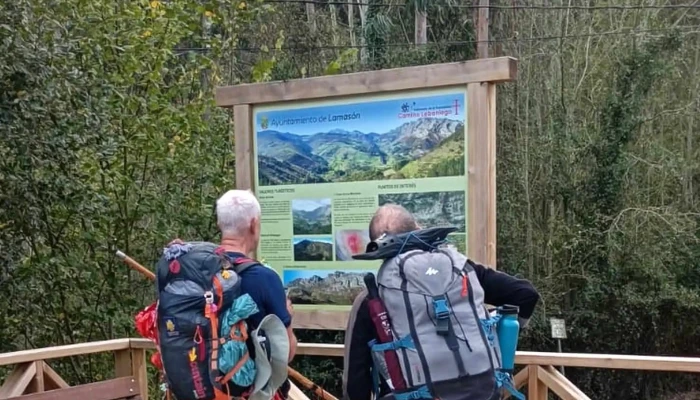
(499, 289)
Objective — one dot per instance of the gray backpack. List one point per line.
(445, 343)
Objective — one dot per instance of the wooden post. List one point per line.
(311, 16)
(421, 24)
(482, 187)
(536, 389)
(243, 136)
(132, 362)
(482, 30)
(37, 383)
(139, 370)
(491, 235)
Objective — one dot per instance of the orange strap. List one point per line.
(235, 369)
(242, 338)
(244, 332)
(214, 318)
(219, 292)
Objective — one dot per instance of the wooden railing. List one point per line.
(34, 379)
(539, 375)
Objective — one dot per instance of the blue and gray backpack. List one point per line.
(202, 334)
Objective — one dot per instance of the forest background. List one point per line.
(109, 138)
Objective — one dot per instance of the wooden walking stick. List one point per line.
(301, 379)
(308, 384)
(136, 266)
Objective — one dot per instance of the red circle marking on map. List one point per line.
(354, 243)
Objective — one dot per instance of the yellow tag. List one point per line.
(193, 355)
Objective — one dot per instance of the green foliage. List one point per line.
(346, 58)
(101, 123)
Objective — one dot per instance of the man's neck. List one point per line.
(236, 245)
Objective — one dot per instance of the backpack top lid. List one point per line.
(191, 261)
(388, 246)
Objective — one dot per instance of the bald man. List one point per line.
(499, 289)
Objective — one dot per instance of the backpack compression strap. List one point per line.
(240, 264)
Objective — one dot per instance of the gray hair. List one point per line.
(235, 210)
(392, 219)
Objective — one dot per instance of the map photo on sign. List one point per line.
(364, 141)
(322, 168)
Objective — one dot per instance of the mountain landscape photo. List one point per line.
(312, 217)
(313, 249)
(322, 287)
(432, 209)
(426, 147)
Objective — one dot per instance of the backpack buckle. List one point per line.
(442, 314)
(209, 297)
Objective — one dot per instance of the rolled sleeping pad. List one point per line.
(380, 319)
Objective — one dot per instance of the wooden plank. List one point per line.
(559, 376)
(520, 379)
(119, 388)
(37, 383)
(322, 350)
(295, 393)
(243, 136)
(24, 356)
(141, 343)
(139, 371)
(536, 390)
(558, 387)
(312, 319)
(500, 69)
(610, 361)
(122, 363)
(491, 235)
(52, 380)
(478, 173)
(19, 379)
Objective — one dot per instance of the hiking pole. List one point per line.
(308, 384)
(136, 266)
(304, 381)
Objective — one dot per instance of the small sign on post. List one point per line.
(558, 328)
(558, 332)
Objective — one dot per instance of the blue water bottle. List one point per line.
(508, 330)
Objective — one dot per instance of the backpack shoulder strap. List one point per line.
(240, 264)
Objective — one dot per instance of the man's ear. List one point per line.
(254, 226)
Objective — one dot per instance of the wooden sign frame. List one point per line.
(479, 76)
